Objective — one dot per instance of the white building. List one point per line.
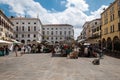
(57, 32)
(96, 27)
(6, 27)
(27, 29)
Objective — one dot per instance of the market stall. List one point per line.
(3, 45)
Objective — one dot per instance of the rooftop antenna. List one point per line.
(104, 9)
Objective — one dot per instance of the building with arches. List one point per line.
(111, 27)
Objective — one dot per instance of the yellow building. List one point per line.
(111, 26)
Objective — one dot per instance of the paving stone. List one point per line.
(44, 67)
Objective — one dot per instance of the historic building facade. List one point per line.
(27, 29)
(91, 32)
(57, 32)
(111, 26)
(95, 31)
(6, 27)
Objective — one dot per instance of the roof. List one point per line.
(1, 12)
(23, 18)
(57, 25)
(109, 6)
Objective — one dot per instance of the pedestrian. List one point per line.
(53, 51)
(29, 49)
(16, 47)
(23, 50)
(7, 50)
(86, 51)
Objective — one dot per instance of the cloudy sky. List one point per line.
(74, 12)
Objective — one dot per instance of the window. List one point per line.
(28, 35)
(111, 17)
(106, 31)
(112, 28)
(43, 28)
(56, 32)
(1, 29)
(16, 36)
(60, 32)
(118, 26)
(51, 38)
(28, 22)
(51, 28)
(34, 28)
(0, 21)
(22, 35)
(56, 38)
(56, 28)
(52, 42)
(111, 10)
(119, 13)
(69, 33)
(65, 32)
(28, 28)
(100, 27)
(47, 28)
(60, 37)
(22, 28)
(34, 22)
(16, 22)
(52, 33)
(43, 32)
(34, 35)
(43, 37)
(48, 32)
(16, 28)
(47, 38)
(97, 28)
(95, 23)
(23, 23)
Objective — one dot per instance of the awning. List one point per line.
(16, 42)
(86, 44)
(3, 43)
(38, 41)
(81, 40)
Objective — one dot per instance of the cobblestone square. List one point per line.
(45, 67)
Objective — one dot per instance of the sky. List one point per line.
(73, 12)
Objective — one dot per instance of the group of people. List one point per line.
(4, 50)
(73, 51)
(70, 51)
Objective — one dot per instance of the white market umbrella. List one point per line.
(16, 42)
(3, 43)
(86, 44)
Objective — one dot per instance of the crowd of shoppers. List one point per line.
(70, 51)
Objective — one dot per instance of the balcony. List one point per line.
(94, 37)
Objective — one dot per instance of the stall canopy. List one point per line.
(15, 42)
(86, 44)
(82, 40)
(5, 42)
